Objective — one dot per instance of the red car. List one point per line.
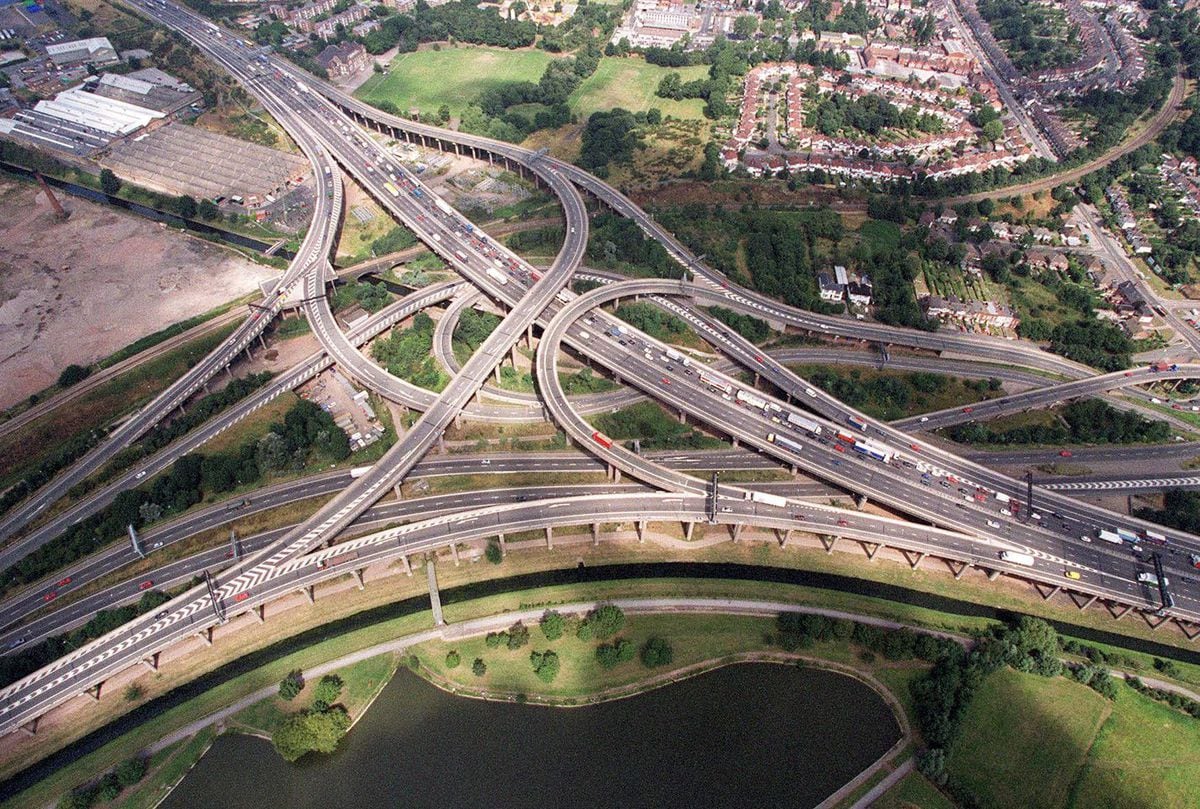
(1129, 373)
(666, 381)
(146, 585)
(758, 358)
(64, 581)
(50, 596)
(914, 447)
(1065, 453)
(839, 448)
(968, 410)
(241, 596)
(843, 523)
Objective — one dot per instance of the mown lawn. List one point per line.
(453, 76)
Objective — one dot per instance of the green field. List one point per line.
(1034, 742)
(913, 792)
(630, 83)
(452, 76)
(1024, 739)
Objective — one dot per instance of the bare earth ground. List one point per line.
(76, 291)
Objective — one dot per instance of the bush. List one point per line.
(479, 668)
(656, 652)
(518, 635)
(611, 655)
(130, 771)
(291, 685)
(494, 639)
(605, 621)
(452, 659)
(493, 553)
(73, 375)
(328, 689)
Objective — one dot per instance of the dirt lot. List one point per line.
(76, 291)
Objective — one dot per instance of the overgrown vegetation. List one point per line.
(1088, 422)
(407, 354)
(647, 422)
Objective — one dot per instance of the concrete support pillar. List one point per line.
(550, 537)
(407, 564)
(260, 613)
(261, 341)
(913, 559)
(957, 568)
(458, 420)
(736, 530)
(734, 441)
(229, 372)
(358, 577)
(860, 501)
(512, 356)
(94, 691)
(454, 553)
(309, 594)
(151, 662)
(205, 383)
(787, 537)
(992, 575)
(756, 379)
(828, 541)
(641, 530)
(435, 597)
(1118, 611)
(1153, 621)
(496, 373)
(205, 636)
(870, 549)
(503, 546)
(399, 492)
(616, 474)
(1190, 631)
(442, 443)
(688, 527)
(1087, 603)
(529, 337)
(1047, 593)
(30, 728)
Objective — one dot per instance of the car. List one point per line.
(968, 410)
(666, 381)
(842, 523)
(838, 448)
(1072, 574)
(485, 462)
(799, 517)
(142, 474)
(1129, 373)
(241, 596)
(50, 596)
(63, 582)
(1084, 538)
(924, 419)
(758, 358)
(945, 484)
(725, 509)
(993, 524)
(146, 585)
(1064, 453)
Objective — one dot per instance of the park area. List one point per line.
(455, 76)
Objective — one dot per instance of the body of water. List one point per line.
(745, 735)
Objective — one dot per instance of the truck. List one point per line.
(855, 421)
(359, 471)
(391, 189)
(1017, 558)
(768, 499)
(1128, 536)
(751, 399)
(443, 205)
(677, 357)
(879, 452)
(497, 276)
(802, 423)
(602, 439)
(1163, 367)
(1003, 498)
(712, 381)
(785, 442)
(1108, 536)
(1150, 578)
(461, 255)
(565, 295)
(1154, 537)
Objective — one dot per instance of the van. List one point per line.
(993, 524)
(810, 392)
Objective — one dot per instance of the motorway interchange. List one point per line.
(957, 506)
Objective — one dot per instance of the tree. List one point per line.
(745, 26)
(328, 689)
(518, 635)
(654, 116)
(993, 130)
(208, 210)
(316, 731)
(610, 655)
(73, 375)
(444, 113)
(656, 652)
(291, 685)
(452, 659)
(545, 665)
(606, 620)
(109, 183)
(553, 625)
(185, 206)
(479, 668)
(493, 552)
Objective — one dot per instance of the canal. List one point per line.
(751, 734)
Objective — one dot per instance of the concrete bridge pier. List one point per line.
(309, 594)
(550, 537)
(641, 530)
(828, 541)
(957, 571)
(454, 552)
(358, 577)
(435, 598)
(1190, 631)
(860, 501)
(688, 527)
(870, 549)
(1153, 621)
(1117, 610)
(205, 636)
(407, 564)
(30, 727)
(992, 575)
(503, 546)
(735, 531)
(94, 691)
(151, 662)
(913, 559)
(259, 613)
(399, 492)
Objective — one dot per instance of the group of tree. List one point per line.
(836, 113)
(545, 664)
(1030, 34)
(512, 638)
(1181, 509)
(653, 321)
(608, 137)
(408, 354)
(649, 424)
(371, 297)
(616, 242)
(513, 110)
(748, 326)
(108, 787)
(306, 431)
(60, 458)
(1091, 421)
(474, 326)
(396, 239)
(317, 729)
(460, 20)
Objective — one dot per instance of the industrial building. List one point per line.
(97, 51)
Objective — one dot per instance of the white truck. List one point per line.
(769, 499)
(1017, 558)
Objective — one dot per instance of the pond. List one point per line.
(745, 735)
